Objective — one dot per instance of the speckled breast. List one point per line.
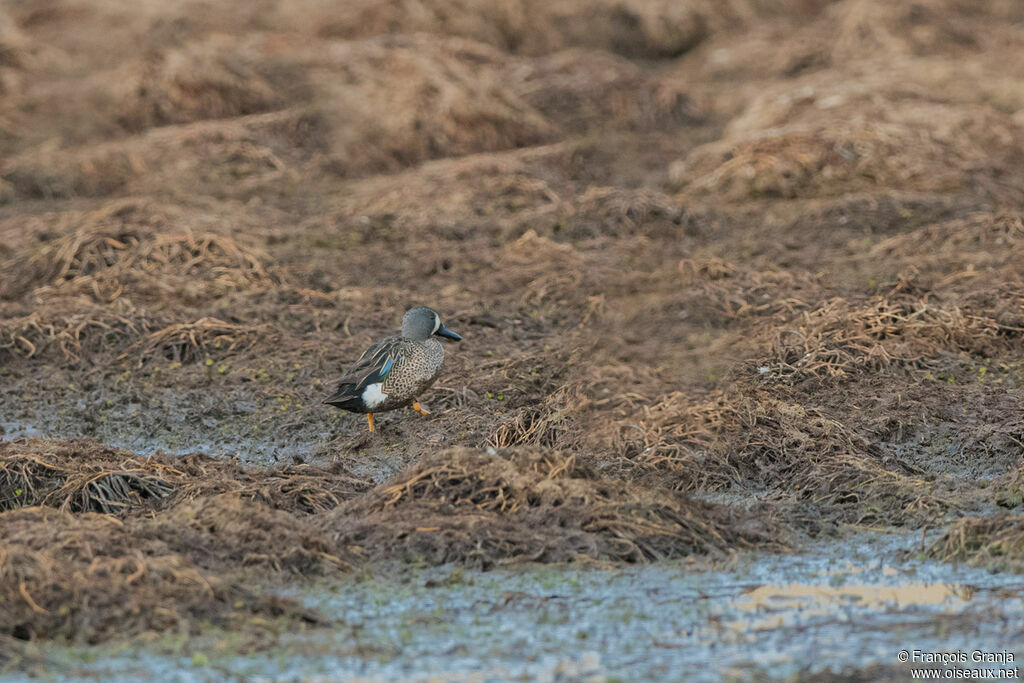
(418, 368)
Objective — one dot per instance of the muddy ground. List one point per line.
(732, 278)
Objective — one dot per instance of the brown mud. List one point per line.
(729, 278)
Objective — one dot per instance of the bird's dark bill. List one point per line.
(448, 334)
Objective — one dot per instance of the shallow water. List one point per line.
(315, 448)
(16, 430)
(250, 451)
(838, 606)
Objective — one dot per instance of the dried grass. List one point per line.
(994, 541)
(612, 212)
(1009, 487)
(84, 476)
(89, 578)
(716, 290)
(134, 247)
(95, 248)
(635, 28)
(179, 532)
(48, 172)
(755, 442)
(827, 139)
(169, 560)
(550, 423)
(508, 187)
(545, 271)
(27, 479)
(369, 106)
(958, 255)
(294, 488)
(204, 80)
(537, 505)
(644, 29)
(868, 27)
(78, 329)
(233, 530)
(242, 156)
(840, 338)
(398, 101)
(579, 90)
(199, 340)
(15, 47)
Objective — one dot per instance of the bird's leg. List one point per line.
(369, 418)
(418, 409)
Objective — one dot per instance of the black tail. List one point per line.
(345, 398)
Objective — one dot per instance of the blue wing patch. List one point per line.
(387, 368)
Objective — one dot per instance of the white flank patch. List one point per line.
(373, 396)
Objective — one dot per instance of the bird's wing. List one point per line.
(372, 367)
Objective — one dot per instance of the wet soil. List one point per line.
(838, 609)
(736, 283)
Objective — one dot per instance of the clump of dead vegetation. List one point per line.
(242, 156)
(508, 193)
(293, 488)
(140, 250)
(101, 543)
(1009, 488)
(204, 80)
(823, 139)
(91, 577)
(611, 212)
(549, 422)
(231, 530)
(748, 440)
(532, 504)
(28, 479)
(84, 476)
(857, 31)
(840, 338)
(959, 255)
(95, 248)
(642, 29)
(869, 27)
(636, 29)
(93, 331)
(995, 541)
(193, 341)
(83, 293)
(75, 327)
(48, 172)
(579, 90)
(369, 106)
(546, 272)
(14, 46)
(408, 99)
(718, 291)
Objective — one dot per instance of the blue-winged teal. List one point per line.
(395, 371)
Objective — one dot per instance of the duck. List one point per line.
(393, 373)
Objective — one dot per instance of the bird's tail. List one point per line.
(344, 397)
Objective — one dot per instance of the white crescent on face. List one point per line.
(437, 323)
